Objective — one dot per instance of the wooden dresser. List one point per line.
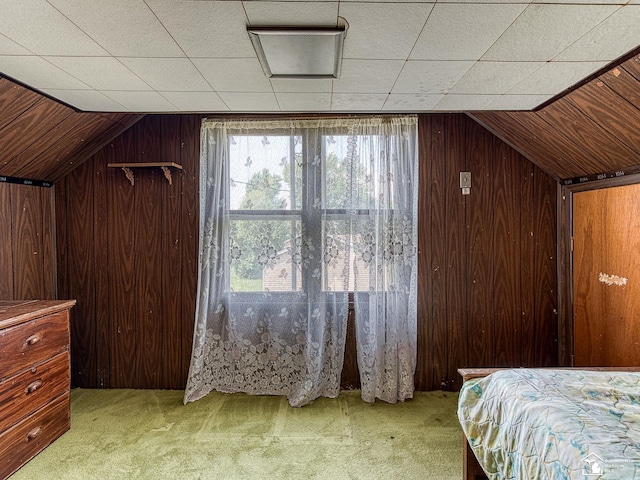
(34, 378)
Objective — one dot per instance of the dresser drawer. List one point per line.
(32, 342)
(23, 441)
(28, 391)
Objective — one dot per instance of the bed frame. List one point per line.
(471, 469)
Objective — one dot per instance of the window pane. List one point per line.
(350, 164)
(264, 255)
(346, 255)
(261, 171)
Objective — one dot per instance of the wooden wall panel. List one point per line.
(6, 254)
(589, 132)
(190, 215)
(480, 226)
(82, 275)
(487, 263)
(27, 259)
(121, 245)
(545, 269)
(140, 311)
(58, 139)
(486, 260)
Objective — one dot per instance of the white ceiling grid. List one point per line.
(196, 56)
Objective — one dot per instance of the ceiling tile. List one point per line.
(299, 102)
(352, 102)
(554, 77)
(294, 85)
(87, 100)
(411, 102)
(142, 101)
(168, 74)
(38, 73)
(455, 102)
(463, 32)
(122, 27)
(543, 31)
(494, 78)
(517, 102)
(234, 74)
(596, 44)
(39, 27)
(419, 76)
(196, 101)
(382, 31)
(215, 29)
(282, 14)
(367, 76)
(9, 47)
(250, 102)
(101, 73)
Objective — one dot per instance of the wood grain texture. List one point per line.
(507, 256)
(589, 131)
(149, 258)
(101, 275)
(6, 254)
(480, 224)
(545, 281)
(151, 280)
(456, 249)
(45, 114)
(57, 139)
(423, 374)
(26, 242)
(190, 215)
(121, 243)
(606, 231)
(81, 271)
(437, 250)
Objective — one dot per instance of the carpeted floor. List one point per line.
(149, 434)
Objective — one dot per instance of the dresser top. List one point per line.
(19, 311)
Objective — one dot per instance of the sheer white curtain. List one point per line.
(294, 215)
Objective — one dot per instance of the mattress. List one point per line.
(554, 424)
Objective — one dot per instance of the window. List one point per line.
(289, 201)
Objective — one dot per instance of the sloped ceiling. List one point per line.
(590, 132)
(42, 139)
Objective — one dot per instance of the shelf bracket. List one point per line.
(129, 174)
(167, 174)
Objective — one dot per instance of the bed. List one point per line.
(551, 423)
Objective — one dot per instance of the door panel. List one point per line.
(606, 287)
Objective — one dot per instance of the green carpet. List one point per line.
(149, 434)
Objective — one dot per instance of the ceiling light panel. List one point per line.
(298, 52)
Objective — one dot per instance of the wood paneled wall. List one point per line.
(589, 132)
(43, 139)
(27, 258)
(128, 254)
(487, 272)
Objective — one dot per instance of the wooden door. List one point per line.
(606, 276)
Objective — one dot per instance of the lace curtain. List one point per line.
(295, 215)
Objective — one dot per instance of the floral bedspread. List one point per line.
(554, 424)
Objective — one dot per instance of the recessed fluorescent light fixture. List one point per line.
(298, 52)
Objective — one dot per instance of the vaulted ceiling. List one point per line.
(590, 132)
(399, 55)
(44, 140)
(587, 134)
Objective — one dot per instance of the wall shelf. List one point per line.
(164, 166)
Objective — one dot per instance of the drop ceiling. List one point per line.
(196, 56)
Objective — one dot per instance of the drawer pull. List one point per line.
(33, 433)
(33, 339)
(33, 386)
